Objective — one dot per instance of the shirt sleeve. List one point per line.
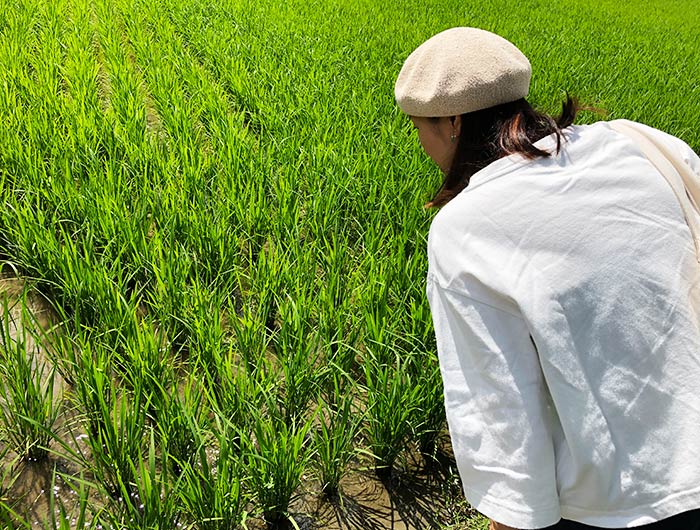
(498, 409)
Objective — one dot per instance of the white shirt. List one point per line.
(565, 297)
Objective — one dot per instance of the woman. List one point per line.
(564, 286)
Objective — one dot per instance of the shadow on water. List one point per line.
(420, 494)
(29, 482)
(429, 494)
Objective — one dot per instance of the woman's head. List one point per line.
(464, 90)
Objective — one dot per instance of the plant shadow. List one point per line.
(422, 494)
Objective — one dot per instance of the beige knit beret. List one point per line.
(461, 70)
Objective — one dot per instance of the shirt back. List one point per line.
(565, 297)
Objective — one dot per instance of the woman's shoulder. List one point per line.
(675, 145)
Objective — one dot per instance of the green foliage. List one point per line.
(82, 515)
(115, 423)
(392, 398)
(179, 419)
(149, 501)
(429, 415)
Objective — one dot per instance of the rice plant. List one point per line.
(29, 405)
(297, 350)
(212, 486)
(236, 390)
(429, 415)
(178, 414)
(334, 438)
(117, 446)
(151, 501)
(392, 398)
(115, 421)
(250, 337)
(142, 355)
(276, 455)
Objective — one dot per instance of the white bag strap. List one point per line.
(684, 183)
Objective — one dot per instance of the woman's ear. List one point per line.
(456, 125)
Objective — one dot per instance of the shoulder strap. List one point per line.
(685, 184)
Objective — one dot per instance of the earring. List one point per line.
(452, 138)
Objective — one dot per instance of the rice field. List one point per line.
(212, 243)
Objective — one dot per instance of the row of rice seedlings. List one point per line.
(87, 131)
(261, 460)
(185, 160)
(78, 199)
(219, 116)
(122, 96)
(82, 138)
(143, 464)
(236, 216)
(116, 418)
(68, 284)
(153, 501)
(33, 81)
(67, 261)
(41, 81)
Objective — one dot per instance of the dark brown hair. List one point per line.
(489, 134)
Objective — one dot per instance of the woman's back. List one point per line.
(566, 294)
